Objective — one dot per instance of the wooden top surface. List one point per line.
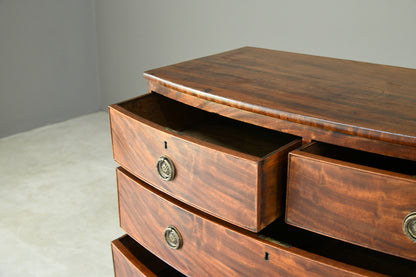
(363, 99)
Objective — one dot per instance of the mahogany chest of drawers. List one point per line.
(256, 162)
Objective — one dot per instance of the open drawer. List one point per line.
(355, 196)
(132, 260)
(197, 244)
(227, 168)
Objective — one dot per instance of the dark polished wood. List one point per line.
(216, 248)
(227, 168)
(133, 260)
(355, 98)
(282, 125)
(354, 196)
(206, 150)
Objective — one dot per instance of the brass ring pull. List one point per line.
(173, 238)
(409, 226)
(165, 168)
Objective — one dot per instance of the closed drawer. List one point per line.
(363, 198)
(230, 169)
(133, 260)
(206, 246)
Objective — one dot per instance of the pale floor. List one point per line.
(58, 200)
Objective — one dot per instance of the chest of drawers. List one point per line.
(256, 162)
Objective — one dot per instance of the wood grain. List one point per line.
(361, 99)
(345, 206)
(352, 202)
(216, 179)
(133, 260)
(217, 249)
(272, 185)
(282, 125)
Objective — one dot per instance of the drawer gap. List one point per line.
(338, 250)
(183, 119)
(145, 257)
(345, 154)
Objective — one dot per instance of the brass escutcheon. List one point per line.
(165, 168)
(409, 226)
(173, 238)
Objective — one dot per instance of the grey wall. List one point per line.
(135, 35)
(48, 62)
(48, 48)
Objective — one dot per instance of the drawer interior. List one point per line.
(213, 128)
(287, 235)
(402, 166)
(152, 262)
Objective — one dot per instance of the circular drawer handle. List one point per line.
(409, 226)
(165, 168)
(173, 238)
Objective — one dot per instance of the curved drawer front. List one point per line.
(133, 260)
(354, 196)
(198, 245)
(229, 169)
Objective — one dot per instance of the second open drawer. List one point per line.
(130, 259)
(227, 168)
(359, 197)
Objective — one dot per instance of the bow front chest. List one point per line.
(257, 162)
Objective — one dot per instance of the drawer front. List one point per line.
(133, 260)
(206, 247)
(357, 204)
(242, 189)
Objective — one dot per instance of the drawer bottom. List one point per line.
(131, 259)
